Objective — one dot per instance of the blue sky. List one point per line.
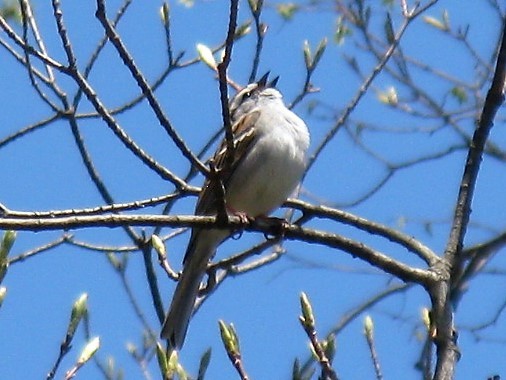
(43, 171)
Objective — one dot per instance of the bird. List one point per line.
(268, 162)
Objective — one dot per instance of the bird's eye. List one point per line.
(246, 95)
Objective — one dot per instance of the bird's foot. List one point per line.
(245, 220)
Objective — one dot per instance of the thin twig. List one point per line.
(135, 305)
(223, 83)
(113, 208)
(93, 173)
(353, 314)
(98, 49)
(101, 248)
(369, 80)
(261, 29)
(28, 19)
(37, 36)
(145, 88)
(369, 337)
(153, 282)
(29, 129)
(43, 248)
(101, 109)
(124, 137)
(307, 321)
(360, 93)
(30, 49)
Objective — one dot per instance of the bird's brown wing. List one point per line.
(244, 135)
(207, 204)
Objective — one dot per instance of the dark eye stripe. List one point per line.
(241, 97)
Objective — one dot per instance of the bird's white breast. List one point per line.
(274, 165)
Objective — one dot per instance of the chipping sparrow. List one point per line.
(269, 161)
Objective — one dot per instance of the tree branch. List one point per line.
(290, 232)
(146, 90)
(222, 76)
(447, 351)
(410, 243)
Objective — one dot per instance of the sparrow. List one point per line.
(268, 162)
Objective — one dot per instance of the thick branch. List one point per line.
(447, 351)
(375, 228)
(360, 250)
(495, 97)
(291, 232)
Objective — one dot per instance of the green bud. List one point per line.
(307, 54)
(7, 243)
(3, 269)
(114, 261)
(296, 373)
(158, 245)
(225, 334)
(368, 326)
(3, 293)
(79, 310)
(206, 56)
(329, 347)
(243, 29)
(320, 49)
(342, 30)
(389, 29)
(172, 364)
(253, 4)
(5, 246)
(287, 10)
(204, 363)
(11, 10)
(89, 350)
(4, 264)
(460, 94)
(161, 357)
(389, 97)
(235, 338)
(307, 317)
(165, 13)
(438, 24)
(229, 338)
(131, 349)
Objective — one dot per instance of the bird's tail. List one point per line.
(180, 312)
